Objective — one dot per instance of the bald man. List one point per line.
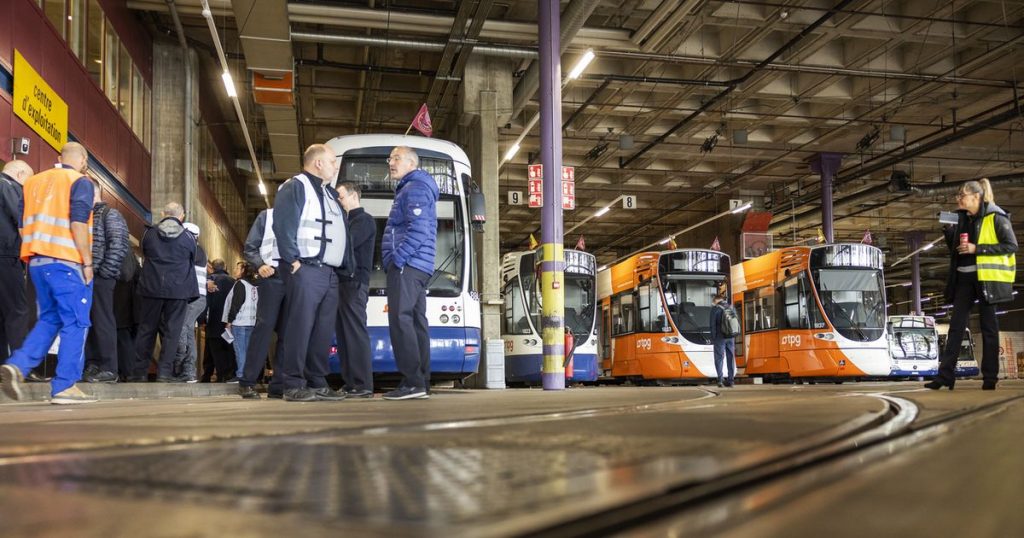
(312, 240)
(57, 245)
(14, 316)
(167, 285)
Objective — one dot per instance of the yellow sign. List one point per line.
(38, 105)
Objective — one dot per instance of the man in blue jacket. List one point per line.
(724, 346)
(407, 251)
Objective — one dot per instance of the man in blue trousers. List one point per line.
(57, 245)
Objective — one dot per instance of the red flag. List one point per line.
(581, 244)
(422, 122)
(716, 245)
(867, 237)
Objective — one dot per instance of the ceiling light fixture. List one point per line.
(512, 152)
(582, 64)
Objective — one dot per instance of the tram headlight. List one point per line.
(670, 339)
(456, 318)
(444, 318)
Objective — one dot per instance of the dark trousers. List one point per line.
(163, 316)
(311, 311)
(101, 346)
(270, 318)
(14, 313)
(353, 335)
(218, 356)
(407, 323)
(966, 292)
(127, 361)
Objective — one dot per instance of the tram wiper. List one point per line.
(849, 319)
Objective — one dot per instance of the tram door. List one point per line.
(604, 331)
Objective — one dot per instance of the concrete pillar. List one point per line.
(826, 164)
(485, 105)
(914, 240)
(173, 179)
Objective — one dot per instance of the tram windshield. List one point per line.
(579, 303)
(854, 301)
(914, 343)
(689, 299)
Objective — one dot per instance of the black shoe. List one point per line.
(101, 377)
(406, 393)
(248, 393)
(988, 385)
(34, 377)
(135, 379)
(358, 393)
(728, 384)
(168, 380)
(275, 395)
(327, 394)
(720, 384)
(299, 395)
(90, 371)
(936, 384)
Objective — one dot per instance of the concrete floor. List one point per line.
(480, 463)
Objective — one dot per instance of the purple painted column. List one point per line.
(914, 242)
(826, 164)
(552, 259)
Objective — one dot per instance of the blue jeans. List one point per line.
(241, 344)
(725, 349)
(64, 303)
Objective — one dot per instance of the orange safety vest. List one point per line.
(46, 229)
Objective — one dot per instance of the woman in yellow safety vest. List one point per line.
(982, 267)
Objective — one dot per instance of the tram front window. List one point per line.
(854, 301)
(579, 303)
(689, 299)
(915, 343)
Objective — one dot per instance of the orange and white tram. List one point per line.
(812, 312)
(655, 311)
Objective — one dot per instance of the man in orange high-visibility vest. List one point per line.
(56, 243)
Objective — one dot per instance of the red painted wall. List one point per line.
(91, 117)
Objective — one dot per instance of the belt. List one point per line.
(967, 269)
(316, 263)
(46, 260)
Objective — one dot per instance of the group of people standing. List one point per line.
(305, 276)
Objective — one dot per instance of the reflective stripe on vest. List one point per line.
(47, 217)
(994, 267)
(201, 279)
(268, 247)
(314, 229)
(246, 316)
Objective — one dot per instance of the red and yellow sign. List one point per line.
(38, 105)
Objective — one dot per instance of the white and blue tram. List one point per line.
(520, 330)
(453, 303)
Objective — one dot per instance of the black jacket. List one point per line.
(126, 304)
(10, 217)
(215, 300)
(168, 271)
(993, 292)
(109, 240)
(362, 236)
(253, 242)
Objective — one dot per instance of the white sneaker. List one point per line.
(72, 395)
(11, 380)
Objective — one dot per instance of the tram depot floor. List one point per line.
(585, 461)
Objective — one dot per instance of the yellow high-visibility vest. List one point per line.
(994, 267)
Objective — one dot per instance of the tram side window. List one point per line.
(749, 312)
(759, 312)
(739, 338)
(801, 311)
(623, 314)
(652, 314)
(515, 313)
(766, 313)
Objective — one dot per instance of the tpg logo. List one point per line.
(791, 339)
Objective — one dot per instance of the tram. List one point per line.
(655, 312)
(521, 317)
(812, 312)
(913, 346)
(966, 364)
(453, 305)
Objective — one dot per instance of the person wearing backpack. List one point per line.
(724, 327)
(109, 249)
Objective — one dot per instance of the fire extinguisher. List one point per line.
(569, 345)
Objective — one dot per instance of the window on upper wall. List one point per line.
(124, 84)
(54, 10)
(110, 48)
(147, 121)
(94, 43)
(138, 102)
(77, 20)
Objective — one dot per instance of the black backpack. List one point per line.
(730, 326)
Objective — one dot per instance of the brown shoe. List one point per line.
(72, 395)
